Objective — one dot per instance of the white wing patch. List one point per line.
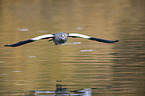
(43, 37)
(79, 35)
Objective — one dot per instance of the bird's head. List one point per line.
(60, 38)
(63, 36)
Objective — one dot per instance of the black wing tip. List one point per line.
(19, 43)
(103, 40)
(116, 41)
(10, 45)
(7, 45)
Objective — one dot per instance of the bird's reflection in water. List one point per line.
(60, 91)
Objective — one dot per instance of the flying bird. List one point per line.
(59, 38)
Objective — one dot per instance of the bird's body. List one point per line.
(59, 38)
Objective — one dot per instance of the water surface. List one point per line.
(79, 67)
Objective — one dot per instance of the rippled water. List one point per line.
(79, 67)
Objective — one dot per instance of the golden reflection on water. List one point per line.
(111, 68)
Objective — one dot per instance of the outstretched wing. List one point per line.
(74, 35)
(47, 36)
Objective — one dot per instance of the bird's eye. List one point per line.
(62, 35)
